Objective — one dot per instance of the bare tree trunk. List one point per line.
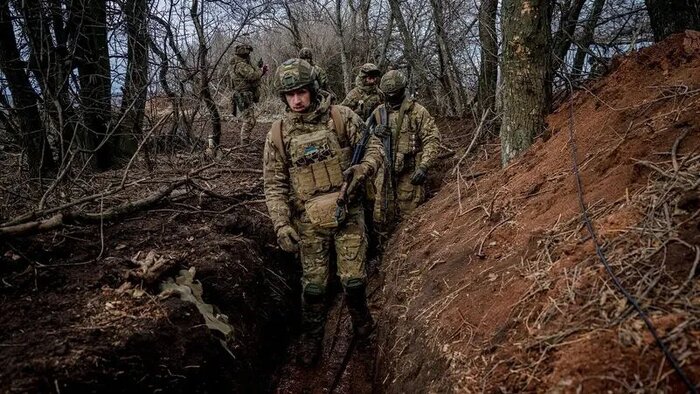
(134, 93)
(92, 57)
(410, 50)
(445, 54)
(24, 98)
(48, 63)
(293, 26)
(526, 69)
(488, 68)
(587, 36)
(564, 36)
(385, 43)
(344, 57)
(203, 69)
(673, 16)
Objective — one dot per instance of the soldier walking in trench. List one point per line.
(245, 80)
(365, 96)
(411, 141)
(306, 162)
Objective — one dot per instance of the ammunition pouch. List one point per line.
(317, 164)
(321, 210)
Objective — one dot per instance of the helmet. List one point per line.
(393, 82)
(294, 74)
(369, 70)
(305, 53)
(243, 49)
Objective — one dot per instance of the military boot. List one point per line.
(313, 315)
(356, 298)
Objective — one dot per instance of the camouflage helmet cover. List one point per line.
(243, 49)
(392, 82)
(294, 74)
(305, 53)
(369, 70)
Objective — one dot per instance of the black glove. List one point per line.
(260, 63)
(288, 239)
(419, 176)
(381, 131)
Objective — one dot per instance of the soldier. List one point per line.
(321, 76)
(306, 160)
(365, 97)
(245, 79)
(411, 141)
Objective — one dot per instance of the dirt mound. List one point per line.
(494, 285)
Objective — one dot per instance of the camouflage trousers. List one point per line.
(408, 196)
(350, 241)
(247, 117)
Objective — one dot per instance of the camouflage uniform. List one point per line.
(363, 99)
(245, 79)
(321, 76)
(414, 146)
(301, 189)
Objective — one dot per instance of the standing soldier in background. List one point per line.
(321, 76)
(306, 166)
(245, 80)
(365, 97)
(411, 142)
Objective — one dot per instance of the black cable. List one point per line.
(589, 226)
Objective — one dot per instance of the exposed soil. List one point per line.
(494, 284)
(72, 322)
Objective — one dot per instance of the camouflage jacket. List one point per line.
(280, 197)
(321, 77)
(363, 99)
(418, 141)
(243, 75)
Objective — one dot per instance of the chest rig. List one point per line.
(404, 138)
(317, 154)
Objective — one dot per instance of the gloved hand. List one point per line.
(357, 174)
(419, 176)
(288, 239)
(264, 69)
(381, 131)
(260, 63)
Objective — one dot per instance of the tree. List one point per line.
(488, 69)
(526, 68)
(134, 94)
(673, 16)
(24, 97)
(587, 36)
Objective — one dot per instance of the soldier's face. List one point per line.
(299, 100)
(371, 80)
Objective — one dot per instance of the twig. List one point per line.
(479, 253)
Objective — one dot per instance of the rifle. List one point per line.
(357, 155)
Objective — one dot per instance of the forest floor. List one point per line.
(493, 285)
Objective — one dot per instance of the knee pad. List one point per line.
(354, 285)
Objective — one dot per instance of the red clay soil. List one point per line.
(466, 307)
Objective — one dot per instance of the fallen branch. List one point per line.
(62, 219)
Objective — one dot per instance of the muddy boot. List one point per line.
(362, 323)
(313, 315)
